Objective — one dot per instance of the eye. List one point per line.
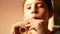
(28, 7)
(40, 6)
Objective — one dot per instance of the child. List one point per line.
(36, 16)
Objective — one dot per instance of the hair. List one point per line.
(48, 3)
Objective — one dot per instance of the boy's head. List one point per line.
(48, 2)
(37, 9)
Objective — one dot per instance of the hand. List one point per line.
(15, 27)
(38, 26)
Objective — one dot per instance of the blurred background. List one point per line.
(11, 12)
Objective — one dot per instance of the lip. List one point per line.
(35, 18)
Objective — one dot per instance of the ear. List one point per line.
(51, 13)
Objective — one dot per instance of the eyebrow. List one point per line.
(31, 4)
(28, 4)
(41, 2)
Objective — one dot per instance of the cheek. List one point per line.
(27, 13)
(42, 12)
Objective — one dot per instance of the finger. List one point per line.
(32, 32)
(34, 27)
(15, 28)
(28, 25)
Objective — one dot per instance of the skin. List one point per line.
(36, 17)
(35, 9)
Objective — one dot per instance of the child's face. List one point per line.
(35, 9)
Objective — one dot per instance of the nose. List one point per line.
(34, 10)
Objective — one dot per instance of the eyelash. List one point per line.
(40, 6)
(29, 7)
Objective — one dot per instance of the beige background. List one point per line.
(11, 12)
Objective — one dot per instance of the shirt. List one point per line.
(52, 32)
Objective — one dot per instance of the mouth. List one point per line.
(36, 18)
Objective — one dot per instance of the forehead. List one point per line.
(33, 1)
